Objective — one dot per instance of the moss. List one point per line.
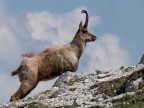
(46, 92)
(72, 81)
(66, 106)
(93, 100)
(124, 99)
(97, 107)
(117, 86)
(54, 95)
(136, 105)
(133, 76)
(72, 89)
(133, 101)
(141, 85)
(136, 75)
(94, 86)
(109, 88)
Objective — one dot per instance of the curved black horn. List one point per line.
(87, 18)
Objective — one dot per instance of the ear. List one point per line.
(80, 26)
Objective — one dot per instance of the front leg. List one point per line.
(74, 67)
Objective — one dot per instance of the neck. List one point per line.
(78, 46)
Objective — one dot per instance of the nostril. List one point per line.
(94, 38)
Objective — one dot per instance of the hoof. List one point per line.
(13, 99)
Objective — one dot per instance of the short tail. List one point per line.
(14, 73)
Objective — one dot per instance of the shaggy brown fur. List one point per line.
(52, 62)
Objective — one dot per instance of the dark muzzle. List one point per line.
(93, 38)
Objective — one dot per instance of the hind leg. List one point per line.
(25, 88)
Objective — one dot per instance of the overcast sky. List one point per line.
(33, 25)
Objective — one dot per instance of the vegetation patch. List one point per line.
(136, 75)
(130, 101)
(97, 107)
(93, 100)
(117, 86)
(54, 95)
(109, 88)
(72, 81)
(66, 106)
(132, 77)
(72, 89)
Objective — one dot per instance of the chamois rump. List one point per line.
(52, 62)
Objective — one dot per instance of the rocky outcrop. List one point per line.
(142, 60)
(100, 88)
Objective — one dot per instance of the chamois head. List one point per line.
(83, 31)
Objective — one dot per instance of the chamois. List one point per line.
(52, 62)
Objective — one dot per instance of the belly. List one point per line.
(53, 66)
(47, 73)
